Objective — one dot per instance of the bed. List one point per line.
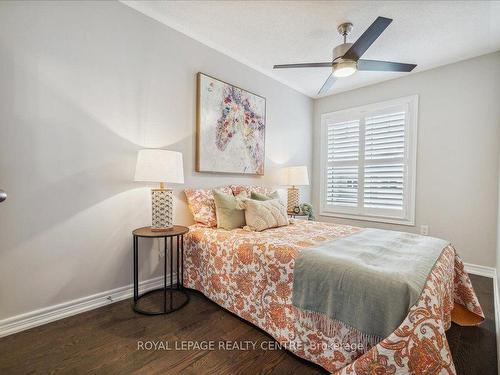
(251, 274)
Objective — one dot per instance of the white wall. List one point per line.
(498, 248)
(458, 144)
(496, 292)
(83, 86)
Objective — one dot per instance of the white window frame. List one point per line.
(407, 217)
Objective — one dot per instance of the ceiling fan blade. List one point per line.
(327, 85)
(387, 66)
(305, 65)
(367, 38)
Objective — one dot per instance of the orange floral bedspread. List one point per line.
(251, 275)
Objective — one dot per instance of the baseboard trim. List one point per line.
(476, 269)
(49, 314)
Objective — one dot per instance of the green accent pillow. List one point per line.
(263, 197)
(230, 214)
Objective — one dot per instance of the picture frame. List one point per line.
(230, 128)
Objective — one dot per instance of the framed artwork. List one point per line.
(230, 128)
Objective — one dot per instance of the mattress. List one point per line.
(251, 275)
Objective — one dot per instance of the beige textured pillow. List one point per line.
(261, 215)
(263, 197)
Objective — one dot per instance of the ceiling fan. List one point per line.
(347, 56)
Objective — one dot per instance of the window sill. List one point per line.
(375, 219)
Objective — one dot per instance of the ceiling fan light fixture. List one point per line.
(345, 68)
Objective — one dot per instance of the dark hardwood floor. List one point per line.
(106, 340)
(474, 349)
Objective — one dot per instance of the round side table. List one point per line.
(174, 297)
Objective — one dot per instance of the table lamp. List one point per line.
(160, 166)
(293, 177)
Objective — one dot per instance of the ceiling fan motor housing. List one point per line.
(343, 67)
(340, 50)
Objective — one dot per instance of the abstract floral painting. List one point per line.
(231, 125)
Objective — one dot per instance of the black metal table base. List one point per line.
(171, 303)
(174, 297)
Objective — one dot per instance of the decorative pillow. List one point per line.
(237, 189)
(264, 197)
(202, 205)
(229, 210)
(260, 215)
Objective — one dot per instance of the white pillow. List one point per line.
(261, 215)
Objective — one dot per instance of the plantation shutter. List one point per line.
(384, 161)
(342, 170)
(366, 163)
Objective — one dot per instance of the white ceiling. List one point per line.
(263, 33)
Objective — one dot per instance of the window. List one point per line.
(368, 162)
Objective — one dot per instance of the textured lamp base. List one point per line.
(163, 204)
(293, 198)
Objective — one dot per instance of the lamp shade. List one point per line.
(159, 166)
(294, 176)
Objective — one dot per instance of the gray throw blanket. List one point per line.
(368, 280)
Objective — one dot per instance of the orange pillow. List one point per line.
(202, 204)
